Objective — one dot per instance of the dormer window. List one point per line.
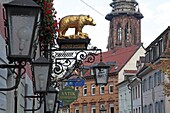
(151, 54)
(147, 57)
(161, 47)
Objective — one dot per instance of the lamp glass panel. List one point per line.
(21, 23)
(41, 77)
(50, 101)
(101, 75)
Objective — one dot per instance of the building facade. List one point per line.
(124, 49)
(154, 98)
(119, 60)
(92, 97)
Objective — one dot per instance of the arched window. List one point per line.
(93, 89)
(119, 34)
(85, 90)
(134, 35)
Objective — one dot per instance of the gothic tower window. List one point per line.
(125, 20)
(119, 34)
(134, 36)
(126, 35)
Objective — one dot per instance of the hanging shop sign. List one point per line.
(75, 82)
(68, 95)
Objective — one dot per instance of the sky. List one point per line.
(156, 18)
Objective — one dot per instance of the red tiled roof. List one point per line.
(120, 56)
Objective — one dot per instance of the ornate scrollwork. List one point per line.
(64, 62)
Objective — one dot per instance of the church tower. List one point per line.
(125, 24)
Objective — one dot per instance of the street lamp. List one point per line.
(22, 18)
(102, 109)
(41, 68)
(51, 100)
(101, 71)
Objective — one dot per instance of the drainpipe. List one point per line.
(141, 93)
(130, 88)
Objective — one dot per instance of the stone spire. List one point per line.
(125, 24)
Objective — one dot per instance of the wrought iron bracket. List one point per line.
(64, 62)
(40, 102)
(18, 65)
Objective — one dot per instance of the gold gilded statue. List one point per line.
(77, 22)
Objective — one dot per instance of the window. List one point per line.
(155, 79)
(159, 107)
(144, 85)
(85, 109)
(111, 109)
(155, 55)
(161, 46)
(150, 82)
(125, 97)
(110, 88)
(147, 57)
(162, 106)
(162, 77)
(76, 109)
(133, 94)
(93, 109)
(119, 34)
(93, 89)
(138, 91)
(151, 54)
(159, 77)
(150, 108)
(101, 89)
(145, 109)
(157, 50)
(85, 90)
(156, 107)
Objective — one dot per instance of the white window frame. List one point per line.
(111, 106)
(84, 108)
(93, 89)
(85, 90)
(101, 89)
(76, 109)
(111, 89)
(92, 108)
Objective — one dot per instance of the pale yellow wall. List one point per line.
(131, 64)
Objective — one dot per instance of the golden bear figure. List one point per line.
(74, 21)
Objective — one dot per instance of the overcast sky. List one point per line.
(156, 18)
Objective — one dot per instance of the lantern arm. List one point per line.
(40, 103)
(20, 65)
